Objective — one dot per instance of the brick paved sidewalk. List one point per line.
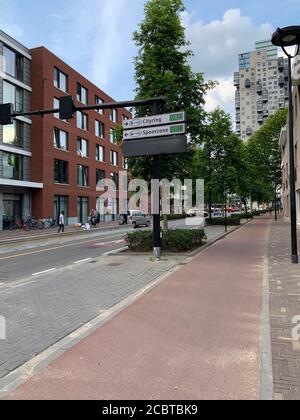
(195, 336)
(284, 306)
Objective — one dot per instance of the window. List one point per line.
(13, 134)
(114, 158)
(61, 169)
(124, 118)
(12, 63)
(82, 121)
(114, 115)
(115, 178)
(12, 166)
(100, 177)
(125, 163)
(82, 147)
(112, 136)
(14, 95)
(60, 139)
(60, 80)
(99, 129)
(99, 101)
(82, 176)
(82, 94)
(100, 153)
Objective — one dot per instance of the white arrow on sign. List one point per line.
(175, 117)
(161, 131)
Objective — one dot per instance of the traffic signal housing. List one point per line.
(66, 107)
(6, 111)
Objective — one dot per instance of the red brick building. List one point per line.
(71, 157)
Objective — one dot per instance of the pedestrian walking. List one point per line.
(61, 222)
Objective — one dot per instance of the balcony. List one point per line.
(280, 64)
(281, 81)
(259, 107)
(237, 105)
(265, 95)
(258, 88)
(247, 84)
(249, 131)
(236, 79)
(265, 113)
(260, 119)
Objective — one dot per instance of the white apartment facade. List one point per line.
(261, 87)
(15, 144)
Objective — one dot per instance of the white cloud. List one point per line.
(217, 45)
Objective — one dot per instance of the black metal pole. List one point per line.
(156, 197)
(225, 208)
(295, 258)
(276, 218)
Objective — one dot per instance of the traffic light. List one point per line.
(66, 107)
(6, 110)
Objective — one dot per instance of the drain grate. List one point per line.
(114, 265)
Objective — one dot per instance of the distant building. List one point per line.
(16, 185)
(261, 87)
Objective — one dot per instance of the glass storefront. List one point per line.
(83, 209)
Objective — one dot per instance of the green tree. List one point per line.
(162, 69)
(264, 158)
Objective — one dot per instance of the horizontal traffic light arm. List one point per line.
(112, 105)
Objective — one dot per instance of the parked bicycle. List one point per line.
(48, 223)
(16, 223)
(31, 223)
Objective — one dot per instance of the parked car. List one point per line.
(135, 218)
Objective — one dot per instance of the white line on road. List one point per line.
(82, 261)
(44, 272)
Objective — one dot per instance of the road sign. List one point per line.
(161, 131)
(154, 146)
(164, 119)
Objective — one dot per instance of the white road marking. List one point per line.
(82, 261)
(44, 272)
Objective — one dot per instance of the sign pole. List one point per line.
(156, 198)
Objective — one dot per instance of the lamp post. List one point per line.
(287, 37)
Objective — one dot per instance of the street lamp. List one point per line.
(287, 37)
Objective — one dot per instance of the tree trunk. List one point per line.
(165, 222)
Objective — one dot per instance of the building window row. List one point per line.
(61, 174)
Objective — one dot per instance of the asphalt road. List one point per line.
(21, 265)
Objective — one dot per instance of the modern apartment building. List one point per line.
(16, 186)
(261, 87)
(72, 157)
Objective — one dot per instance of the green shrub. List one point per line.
(256, 213)
(231, 221)
(177, 216)
(174, 240)
(246, 216)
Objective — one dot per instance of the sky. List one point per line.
(95, 36)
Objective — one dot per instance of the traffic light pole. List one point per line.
(156, 198)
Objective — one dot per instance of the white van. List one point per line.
(135, 218)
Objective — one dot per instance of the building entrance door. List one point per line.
(12, 206)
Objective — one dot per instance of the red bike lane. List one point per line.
(197, 335)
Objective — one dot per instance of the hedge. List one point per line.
(231, 221)
(246, 216)
(174, 240)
